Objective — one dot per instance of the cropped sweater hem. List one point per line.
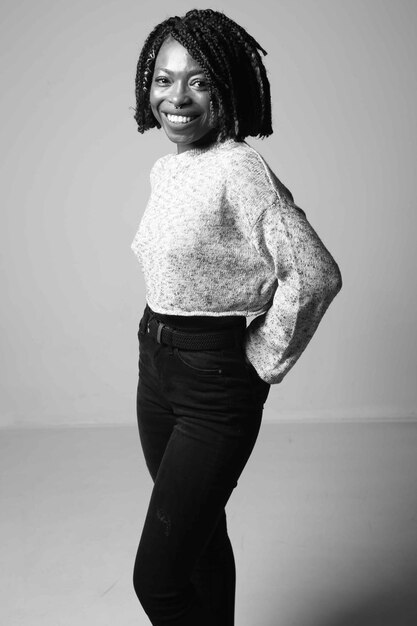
(174, 311)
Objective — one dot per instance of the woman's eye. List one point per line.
(200, 84)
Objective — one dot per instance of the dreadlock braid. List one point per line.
(246, 51)
(230, 58)
(224, 74)
(208, 47)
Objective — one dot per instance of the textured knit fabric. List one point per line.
(221, 235)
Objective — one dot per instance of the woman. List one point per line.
(220, 239)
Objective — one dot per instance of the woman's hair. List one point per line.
(237, 81)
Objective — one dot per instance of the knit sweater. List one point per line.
(221, 235)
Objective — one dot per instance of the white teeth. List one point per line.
(179, 119)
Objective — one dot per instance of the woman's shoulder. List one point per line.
(246, 161)
(246, 166)
(240, 153)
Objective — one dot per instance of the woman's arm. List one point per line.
(308, 278)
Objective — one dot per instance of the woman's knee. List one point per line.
(161, 600)
(149, 580)
(145, 582)
(138, 582)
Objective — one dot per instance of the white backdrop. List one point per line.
(74, 184)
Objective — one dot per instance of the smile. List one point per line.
(180, 119)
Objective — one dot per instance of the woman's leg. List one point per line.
(214, 574)
(196, 442)
(214, 577)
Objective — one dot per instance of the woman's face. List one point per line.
(178, 81)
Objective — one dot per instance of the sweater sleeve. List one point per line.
(308, 279)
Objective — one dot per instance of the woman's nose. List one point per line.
(179, 95)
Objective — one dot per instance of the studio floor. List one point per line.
(323, 524)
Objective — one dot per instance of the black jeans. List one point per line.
(199, 414)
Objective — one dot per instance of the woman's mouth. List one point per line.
(180, 119)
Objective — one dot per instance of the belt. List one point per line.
(191, 341)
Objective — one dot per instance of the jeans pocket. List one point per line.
(205, 362)
(251, 368)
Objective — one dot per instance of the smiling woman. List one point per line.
(221, 239)
(179, 84)
(228, 61)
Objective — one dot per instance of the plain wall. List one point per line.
(75, 181)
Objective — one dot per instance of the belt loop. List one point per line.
(159, 332)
